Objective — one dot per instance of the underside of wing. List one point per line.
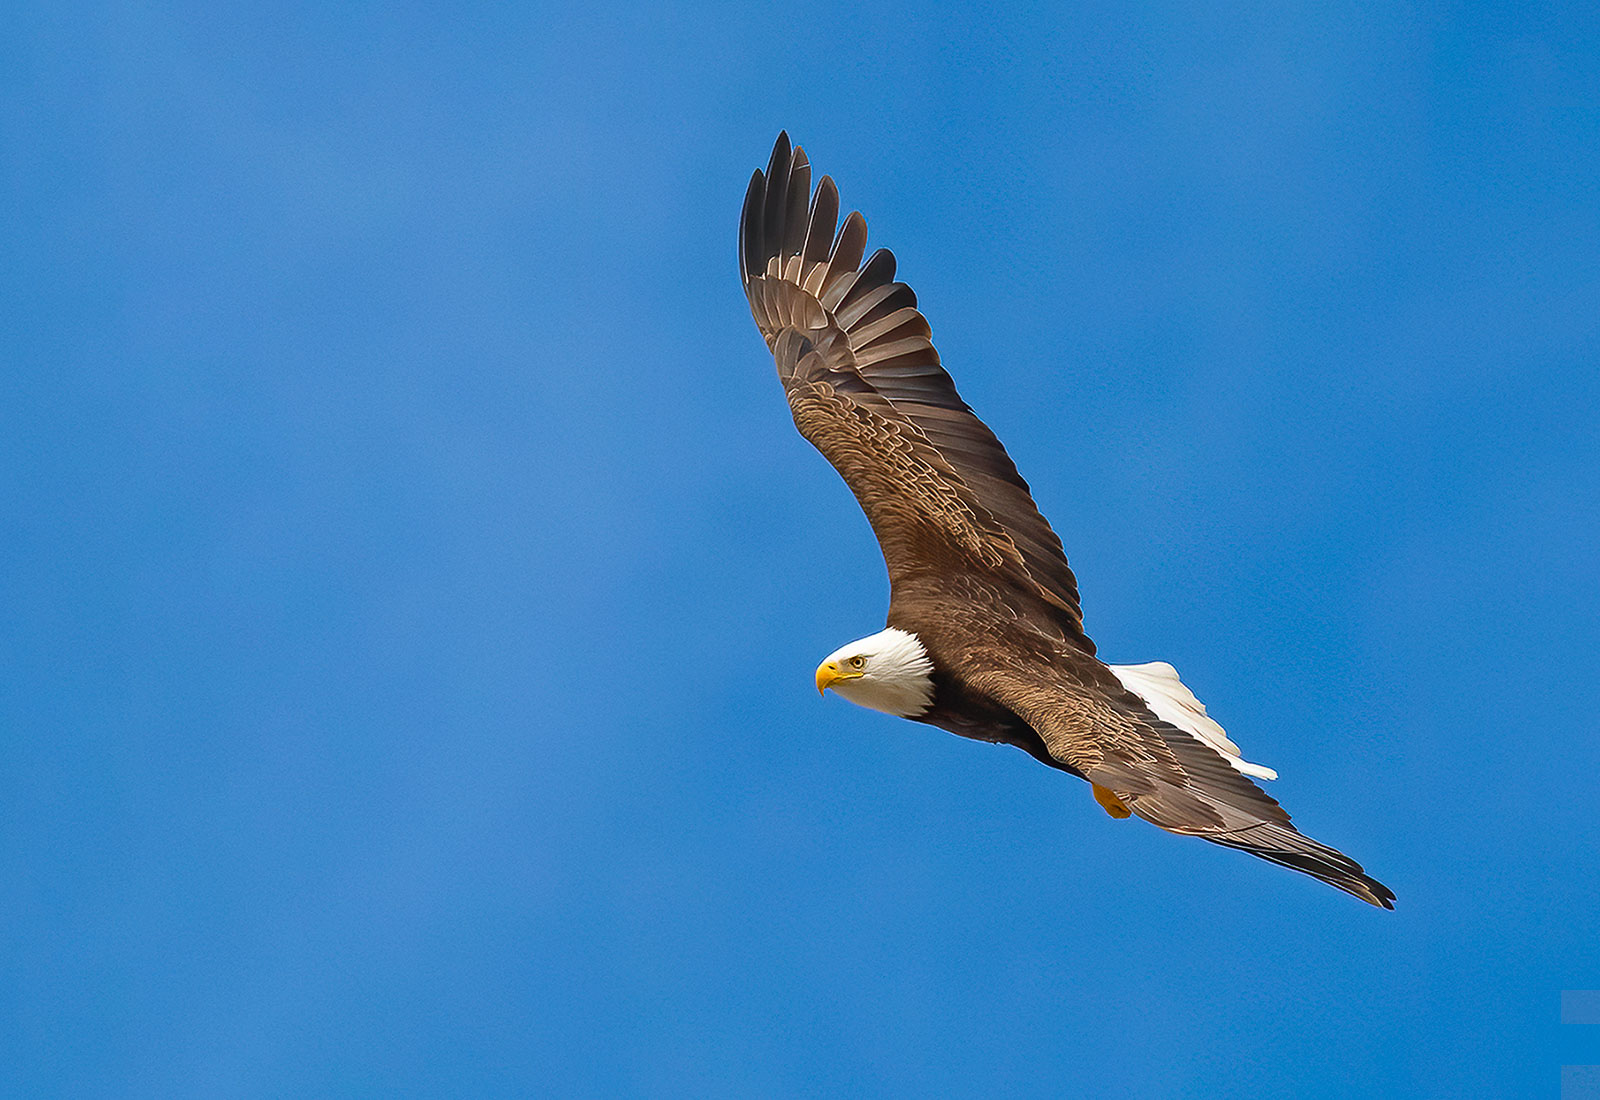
(925, 517)
(868, 337)
(1170, 776)
(1214, 801)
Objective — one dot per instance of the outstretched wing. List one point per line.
(1165, 775)
(867, 390)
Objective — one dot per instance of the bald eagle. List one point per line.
(985, 635)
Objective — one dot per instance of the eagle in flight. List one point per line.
(985, 634)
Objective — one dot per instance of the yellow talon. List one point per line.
(1110, 803)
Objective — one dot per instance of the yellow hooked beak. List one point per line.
(829, 673)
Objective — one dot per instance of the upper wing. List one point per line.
(1166, 775)
(872, 361)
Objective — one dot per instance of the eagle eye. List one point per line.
(857, 662)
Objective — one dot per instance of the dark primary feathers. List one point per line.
(976, 572)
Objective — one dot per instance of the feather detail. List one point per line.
(1171, 701)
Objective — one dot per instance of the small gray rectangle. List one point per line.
(1580, 1083)
(1580, 1006)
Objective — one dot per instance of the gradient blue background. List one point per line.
(412, 578)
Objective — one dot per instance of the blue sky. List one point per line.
(412, 580)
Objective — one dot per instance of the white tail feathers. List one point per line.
(1158, 685)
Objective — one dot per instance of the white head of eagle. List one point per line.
(888, 671)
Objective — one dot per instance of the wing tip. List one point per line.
(765, 221)
(1313, 858)
(1371, 891)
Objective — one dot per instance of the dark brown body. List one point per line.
(948, 630)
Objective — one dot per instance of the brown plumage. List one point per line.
(976, 573)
